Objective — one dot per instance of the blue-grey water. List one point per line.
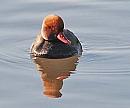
(102, 76)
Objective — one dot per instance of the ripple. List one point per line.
(109, 49)
(14, 60)
(102, 72)
(105, 50)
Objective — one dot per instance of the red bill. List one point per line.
(63, 39)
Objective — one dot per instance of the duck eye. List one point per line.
(49, 27)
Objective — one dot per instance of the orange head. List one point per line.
(52, 28)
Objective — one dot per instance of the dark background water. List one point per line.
(103, 73)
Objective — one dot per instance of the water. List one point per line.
(102, 76)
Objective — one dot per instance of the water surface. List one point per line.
(102, 76)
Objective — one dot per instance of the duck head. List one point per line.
(52, 29)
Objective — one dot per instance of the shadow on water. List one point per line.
(53, 72)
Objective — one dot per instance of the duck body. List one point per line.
(54, 49)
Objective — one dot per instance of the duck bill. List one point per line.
(63, 39)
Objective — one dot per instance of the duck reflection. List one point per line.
(53, 72)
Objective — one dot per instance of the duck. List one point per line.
(54, 41)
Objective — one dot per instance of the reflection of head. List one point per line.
(53, 72)
(52, 88)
